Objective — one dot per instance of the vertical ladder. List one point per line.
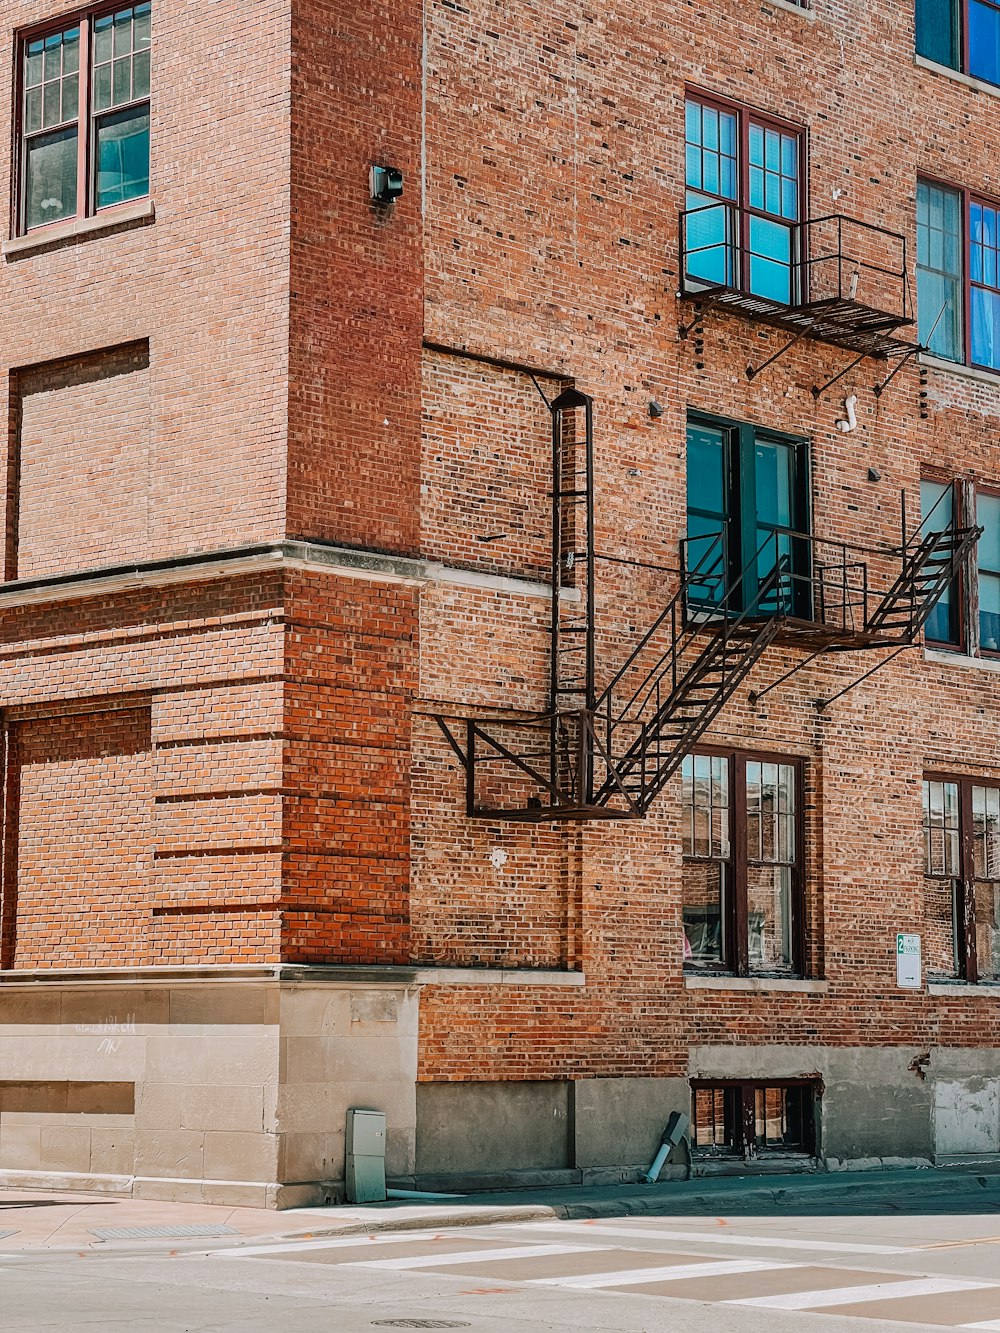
(571, 681)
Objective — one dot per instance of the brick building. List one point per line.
(315, 794)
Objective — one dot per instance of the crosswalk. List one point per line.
(842, 1277)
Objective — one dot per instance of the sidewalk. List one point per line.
(90, 1223)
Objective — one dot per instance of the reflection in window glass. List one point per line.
(771, 858)
(984, 285)
(939, 270)
(984, 41)
(937, 509)
(705, 847)
(940, 828)
(51, 99)
(988, 562)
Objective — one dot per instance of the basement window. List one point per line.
(741, 873)
(742, 1121)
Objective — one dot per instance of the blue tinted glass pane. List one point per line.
(789, 199)
(727, 133)
(705, 473)
(756, 187)
(709, 232)
(756, 145)
(772, 194)
(936, 515)
(989, 613)
(939, 268)
(710, 130)
(988, 517)
(710, 173)
(728, 182)
(770, 260)
(772, 150)
(692, 122)
(692, 166)
(122, 157)
(789, 156)
(985, 327)
(937, 31)
(984, 41)
(774, 465)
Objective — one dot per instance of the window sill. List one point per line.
(141, 210)
(945, 657)
(967, 80)
(808, 14)
(794, 984)
(983, 989)
(957, 368)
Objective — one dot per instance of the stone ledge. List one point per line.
(346, 975)
(981, 990)
(123, 215)
(795, 984)
(959, 369)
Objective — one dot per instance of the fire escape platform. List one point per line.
(840, 321)
(815, 635)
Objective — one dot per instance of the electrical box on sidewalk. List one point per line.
(365, 1174)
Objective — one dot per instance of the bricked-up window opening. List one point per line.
(958, 275)
(84, 115)
(742, 864)
(744, 1120)
(747, 503)
(962, 34)
(743, 176)
(962, 877)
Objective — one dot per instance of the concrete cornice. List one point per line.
(350, 976)
(310, 557)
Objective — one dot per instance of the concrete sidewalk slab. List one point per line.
(41, 1220)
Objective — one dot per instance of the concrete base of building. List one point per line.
(232, 1086)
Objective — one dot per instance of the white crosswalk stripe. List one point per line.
(877, 1291)
(986, 1324)
(697, 1238)
(633, 1277)
(477, 1256)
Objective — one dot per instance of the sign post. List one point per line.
(908, 962)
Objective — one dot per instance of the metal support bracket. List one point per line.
(685, 330)
(755, 696)
(879, 389)
(753, 371)
(820, 390)
(825, 703)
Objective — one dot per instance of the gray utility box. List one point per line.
(365, 1176)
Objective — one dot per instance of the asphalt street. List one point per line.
(756, 1274)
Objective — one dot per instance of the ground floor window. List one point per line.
(962, 877)
(745, 1120)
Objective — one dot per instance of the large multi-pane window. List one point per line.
(962, 34)
(962, 877)
(84, 115)
(967, 617)
(958, 312)
(743, 201)
(742, 863)
(747, 507)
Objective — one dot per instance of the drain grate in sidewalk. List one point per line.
(160, 1233)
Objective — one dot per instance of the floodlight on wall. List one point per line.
(386, 184)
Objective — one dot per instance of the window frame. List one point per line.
(739, 485)
(967, 198)
(962, 25)
(745, 1147)
(86, 183)
(746, 116)
(964, 881)
(735, 923)
(965, 589)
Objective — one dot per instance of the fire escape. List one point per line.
(606, 753)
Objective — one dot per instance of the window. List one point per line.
(742, 863)
(958, 315)
(967, 618)
(962, 877)
(962, 34)
(84, 123)
(744, 183)
(747, 508)
(747, 1120)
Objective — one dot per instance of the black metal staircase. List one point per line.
(608, 755)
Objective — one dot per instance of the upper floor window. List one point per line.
(747, 509)
(958, 311)
(962, 877)
(743, 199)
(967, 616)
(84, 115)
(962, 34)
(742, 880)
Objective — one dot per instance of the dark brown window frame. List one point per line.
(965, 589)
(745, 1123)
(964, 883)
(745, 115)
(968, 198)
(735, 924)
(84, 15)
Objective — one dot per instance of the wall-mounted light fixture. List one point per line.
(386, 184)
